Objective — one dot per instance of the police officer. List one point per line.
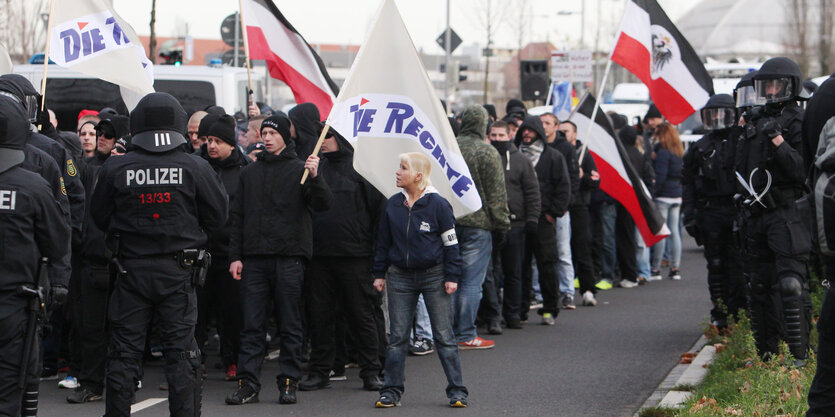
(771, 176)
(33, 227)
(709, 185)
(156, 202)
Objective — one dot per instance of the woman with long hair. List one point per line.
(668, 165)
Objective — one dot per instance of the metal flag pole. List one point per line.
(46, 54)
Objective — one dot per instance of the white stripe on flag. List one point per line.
(597, 143)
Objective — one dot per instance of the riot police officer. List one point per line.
(771, 173)
(709, 186)
(156, 202)
(33, 226)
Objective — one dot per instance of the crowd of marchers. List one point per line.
(342, 275)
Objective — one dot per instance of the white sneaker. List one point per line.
(588, 299)
(625, 283)
(68, 383)
(675, 274)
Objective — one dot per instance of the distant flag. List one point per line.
(561, 98)
(6, 66)
(89, 37)
(652, 48)
(618, 177)
(388, 106)
(289, 57)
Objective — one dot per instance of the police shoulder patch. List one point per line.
(71, 171)
(63, 189)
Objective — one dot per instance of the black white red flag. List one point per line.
(652, 48)
(618, 177)
(289, 57)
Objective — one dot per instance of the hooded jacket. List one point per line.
(229, 170)
(271, 215)
(485, 166)
(587, 185)
(568, 152)
(523, 198)
(305, 118)
(349, 227)
(551, 171)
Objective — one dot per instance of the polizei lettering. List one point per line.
(154, 176)
(8, 199)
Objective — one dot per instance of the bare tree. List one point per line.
(827, 13)
(152, 42)
(797, 36)
(489, 15)
(23, 32)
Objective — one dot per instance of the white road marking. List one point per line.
(150, 402)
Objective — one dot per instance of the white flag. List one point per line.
(89, 37)
(388, 106)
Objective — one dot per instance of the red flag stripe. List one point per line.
(634, 56)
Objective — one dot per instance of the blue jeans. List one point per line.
(672, 215)
(608, 214)
(476, 246)
(565, 267)
(423, 330)
(642, 255)
(403, 288)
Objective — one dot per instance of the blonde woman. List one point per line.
(418, 248)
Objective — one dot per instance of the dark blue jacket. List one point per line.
(419, 237)
(668, 169)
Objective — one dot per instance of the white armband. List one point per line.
(449, 238)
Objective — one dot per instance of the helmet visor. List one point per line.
(746, 97)
(718, 118)
(774, 90)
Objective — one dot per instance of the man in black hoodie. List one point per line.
(304, 128)
(221, 294)
(340, 273)
(270, 243)
(524, 203)
(555, 193)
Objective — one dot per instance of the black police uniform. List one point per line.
(31, 226)
(709, 185)
(158, 200)
(776, 238)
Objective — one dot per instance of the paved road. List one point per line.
(597, 361)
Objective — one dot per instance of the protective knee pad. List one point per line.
(794, 316)
(790, 286)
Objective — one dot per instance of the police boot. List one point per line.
(718, 314)
(794, 319)
(287, 390)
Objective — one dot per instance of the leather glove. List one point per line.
(531, 228)
(59, 296)
(771, 128)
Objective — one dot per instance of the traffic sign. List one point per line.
(455, 40)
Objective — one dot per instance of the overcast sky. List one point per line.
(346, 21)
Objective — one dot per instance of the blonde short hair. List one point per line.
(418, 162)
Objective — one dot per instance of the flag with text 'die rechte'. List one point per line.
(388, 106)
(289, 57)
(652, 48)
(618, 177)
(89, 37)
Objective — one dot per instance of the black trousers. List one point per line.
(489, 310)
(512, 255)
(12, 330)
(154, 286)
(625, 245)
(544, 246)
(822, 391)
(724, 270)
(276, 279)
(95, 292)
(348, 282)
(581, 248)
(220, 298)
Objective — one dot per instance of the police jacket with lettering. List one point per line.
(271, 215)
(349, 226)
(31, 226)
(159, 203)
(93, 249)
(229, 170)
(418, 237)
(41, 163)
(71, 176)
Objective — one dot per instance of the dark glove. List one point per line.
(771, 128)
(45, 125)
(59, 296)
(499, 239)
(531, 228)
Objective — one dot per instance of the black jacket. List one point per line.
(708, 173)
(570, 154)
(349, 227)
(229, 171)
(587, 185)
(551, 171)
(271, 215)
(523, 197)
(160, 203)
(94, 249)
(305, 118)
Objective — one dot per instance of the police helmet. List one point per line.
(158, 123)
(778, 80)
(744, 93)
(719, 113)
(19, 87)
(14, 129)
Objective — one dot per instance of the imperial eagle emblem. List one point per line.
(661, 52)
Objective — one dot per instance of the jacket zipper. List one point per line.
(408, 223)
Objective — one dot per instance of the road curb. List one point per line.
(681, 374)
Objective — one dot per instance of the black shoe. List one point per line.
(83, 395)
(372, 383)
(386, 401)
(287, 390)
(513, 324)
(494, 327)
(313, 382)
(458, 403)
(421, 347)
(244, 394)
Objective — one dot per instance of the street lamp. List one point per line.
(582, 14)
